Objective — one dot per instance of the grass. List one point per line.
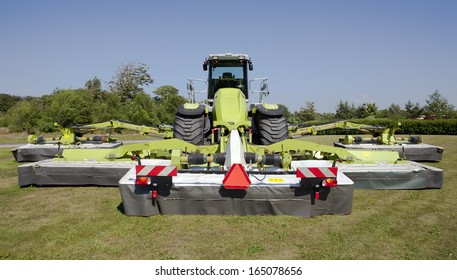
(12, 138)
(88, 223)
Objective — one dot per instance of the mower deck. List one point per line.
(197, 193)
(72, 173)
(414, 152)
(194, 194)
(37, 152)
(411, 175)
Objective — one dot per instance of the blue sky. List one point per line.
(322, 51)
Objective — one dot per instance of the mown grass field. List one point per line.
(87, 223)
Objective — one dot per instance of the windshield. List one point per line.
(227, 75)
(236, 72)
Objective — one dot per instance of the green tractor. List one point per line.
(227, 106)
(229, 156)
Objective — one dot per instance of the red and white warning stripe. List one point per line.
(317, 172)
(156, 170)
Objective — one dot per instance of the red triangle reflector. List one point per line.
(236, 178)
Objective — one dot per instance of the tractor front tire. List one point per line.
(271, 127)
(189, 127)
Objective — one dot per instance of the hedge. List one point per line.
(408, 127)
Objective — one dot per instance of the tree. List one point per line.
(163, 91)
(328, 116)
(107, 106)
(24, 115)
(94, 85)
(437, 105)
(366, 110)
(168, 100)
(344, 111)
(70, 106)
(394, 111)
(7, 101)
(413, 111)
(130, 79)
(307, 113)
(142, 109)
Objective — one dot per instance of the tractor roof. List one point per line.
(228, 56)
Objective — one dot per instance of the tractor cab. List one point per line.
(227, 71)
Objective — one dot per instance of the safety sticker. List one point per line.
(276, 180)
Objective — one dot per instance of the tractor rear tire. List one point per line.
(189, 127)
(271, 127)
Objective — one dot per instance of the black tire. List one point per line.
(191, 112)
(189, 128)
(270, 129)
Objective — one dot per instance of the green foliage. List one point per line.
(94, 85)
(88, 105)
(107, 106)
(307, 113)
(438, 106)
(168, 100)
(394, 111)
(66, 107)
(7, 101)
(419, 127)
(345, 111)
(366, 110)
(69, 107)
(141, 110)
(24, 115)
(328, 116)
(127, 101)
(165, 91)
(130, 79)
(413, 111)
(411, 127)
(429, 127)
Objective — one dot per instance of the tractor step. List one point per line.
(414, 152)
